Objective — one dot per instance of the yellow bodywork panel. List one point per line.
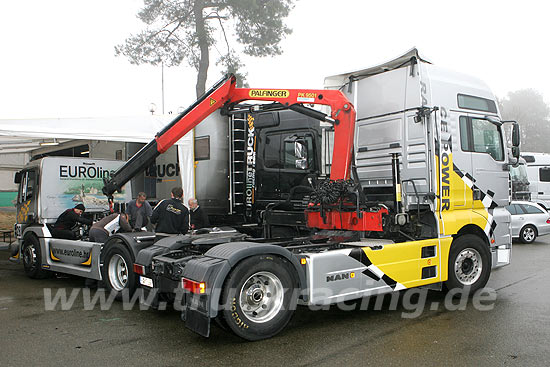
(456, 205)
(403, 262)
(452, 221)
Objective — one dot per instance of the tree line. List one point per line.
(194, 31)
(527, 107)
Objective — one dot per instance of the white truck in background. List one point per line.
(47, 187)
(538, 173)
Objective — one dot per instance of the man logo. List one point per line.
(341, 276)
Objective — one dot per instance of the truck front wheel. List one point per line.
(469, 264)
(259, 297)
(117, 271)
(32, 258)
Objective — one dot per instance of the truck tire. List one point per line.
(469, 264)
(528, 234)
(117, 271)
(32, 258)
(259, 297)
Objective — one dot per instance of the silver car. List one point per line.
(529, 220)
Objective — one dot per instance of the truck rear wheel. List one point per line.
(259, 297)
(117, 271)
(469, 264)
(32, 258)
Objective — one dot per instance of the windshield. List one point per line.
(519, 174)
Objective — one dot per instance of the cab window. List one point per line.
(27, 186)
(476, 103)
(272, 149)
(544, 174)
(481, 136)
(298, 153)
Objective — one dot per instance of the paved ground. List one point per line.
(516, 332)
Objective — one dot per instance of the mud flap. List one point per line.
(195, 314)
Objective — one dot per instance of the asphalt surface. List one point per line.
(516, 332)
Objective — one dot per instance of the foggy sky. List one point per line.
(58, 55)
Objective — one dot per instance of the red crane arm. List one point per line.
(342, 115)
(224, 93)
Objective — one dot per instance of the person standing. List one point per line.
(170, 215)
(102, 229)
(197, 216)
(139, 211)
(69, 219)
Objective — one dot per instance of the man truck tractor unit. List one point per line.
(418, 181)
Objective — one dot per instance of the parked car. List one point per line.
(529, 220)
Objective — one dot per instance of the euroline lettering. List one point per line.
(84, 172)
(270, 93)
(250, 163)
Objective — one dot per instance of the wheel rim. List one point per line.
(468, 266)
(29, 257)
(118, 272)
(529, 234)
(261, 297)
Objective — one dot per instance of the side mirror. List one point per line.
(515, 136)
(17, 178)
(515, 152)
(300, 151)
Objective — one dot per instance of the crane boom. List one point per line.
(223, 93)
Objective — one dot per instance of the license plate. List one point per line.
(148, 282)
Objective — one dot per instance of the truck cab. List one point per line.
(47, 187)
(445, 128)
(259, 160)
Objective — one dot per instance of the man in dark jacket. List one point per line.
(102, 229)
(139, 211)
(67, 220)
(197, 216)
(170, 215)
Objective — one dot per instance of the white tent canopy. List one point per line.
(20, 135)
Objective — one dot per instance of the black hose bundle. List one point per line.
(332, 192)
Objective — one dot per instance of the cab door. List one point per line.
(298, 160)
(27, 196)
(268, 166)
(483, 140)
(462, 171)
